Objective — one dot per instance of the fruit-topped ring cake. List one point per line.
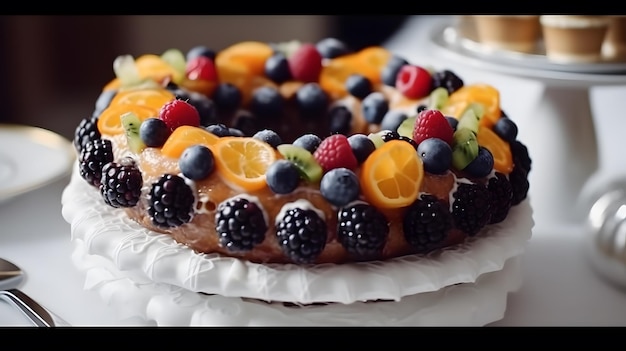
(302, 155)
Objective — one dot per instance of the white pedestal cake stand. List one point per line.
(563, 144)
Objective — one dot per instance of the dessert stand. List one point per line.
(563, 143)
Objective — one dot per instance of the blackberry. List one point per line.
(446, 79)
(171, 202)
(362, 230)
(86, 131)
(501, 195)
(93, 156)
(239, 224)
(426, 224)
(301, 235)
(121, 183)
(520, 155)
(388, 135)
(519, 182)
(471, 208)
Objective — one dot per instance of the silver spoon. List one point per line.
(10, 277)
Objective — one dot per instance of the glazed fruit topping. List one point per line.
(239, 224)
(171, 202)
(305, 64)
(197, 162)
(362, 230)
(301, 234)
(432, 124)
(283, 176)
(202, 68)
(340, 186)
(121, 183)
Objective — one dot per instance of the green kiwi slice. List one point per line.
(464, 147)
(131, 124)
(310, 169)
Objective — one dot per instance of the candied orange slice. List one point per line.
(251, 54)
(499, 148)
(373, 59)
(243, 161)
(483, 94)
(185, 136)
(153, 66)
(392, 175)
(109, 121)
(154, 98)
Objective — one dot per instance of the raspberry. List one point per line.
(414, 82)
(426, 224)
(93, 156)
(201, 67)
(239, 224)
(501, 197)
(305, 63)
(432, 124)
(362, 230)
(335, 152)
(171, 202)
(301, 235)
(178, 113)
(471, 208)
(86, 131)
(121, 183)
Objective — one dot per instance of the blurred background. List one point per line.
(54, 67)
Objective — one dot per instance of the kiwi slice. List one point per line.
(176, 59)
(406, 127)
(376, 138)
(126, 71)
(469, 119)
(131, 124)
(438, 98)
(310, 169)
(464, 147)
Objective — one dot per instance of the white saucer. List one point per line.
(468, 304)
(31, 157)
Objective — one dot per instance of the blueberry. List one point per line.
(340, 120)
(453, 122)
(154, 132)
(269, 136)
(362, 146)
(267, 102)
(389, 73)
(420, 108)
(331, 48)
(340, 186)
(227, 97)
(235, 132)
(311, 100)
(374, 106)
(277, 68)
(103, 101)
(359, 86)
(196, 162)
(482, 165)
(282, 176)
(200, 51)
(218, 129)
(506, 129)
(436, 155)
(393, 119)
(310, 142)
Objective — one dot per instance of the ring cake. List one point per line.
(302, 154)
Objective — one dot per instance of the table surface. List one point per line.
(560, 287)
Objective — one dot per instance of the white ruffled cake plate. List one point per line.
(150, 275)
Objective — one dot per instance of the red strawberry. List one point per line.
(201, 67)
(178, 113)
(432, 124)
(305, 63)
(335, 152)
(414, 82)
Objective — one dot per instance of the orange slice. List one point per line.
(243, 161)
(392, 175)
(185, 136)
(153, 98)
(483, 94)
(109, 121)
(251, 54)
(499, 148)
(153, 66)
